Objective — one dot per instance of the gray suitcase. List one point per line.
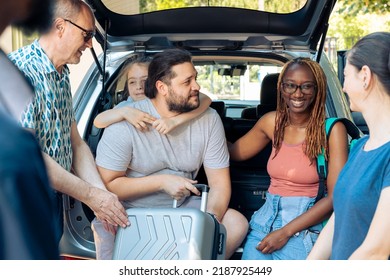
(171, 234)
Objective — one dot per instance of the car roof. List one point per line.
(214, 28)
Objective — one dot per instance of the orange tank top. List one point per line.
(291, 172)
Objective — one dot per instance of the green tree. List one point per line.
(353, 7)
(347, 30)
(350, 25)
(281, 6)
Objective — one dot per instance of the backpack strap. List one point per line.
(322, 165)
(352, 129)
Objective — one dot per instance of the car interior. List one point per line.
(249, 178)
(238, 117)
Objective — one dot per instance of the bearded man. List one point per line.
(149, 169)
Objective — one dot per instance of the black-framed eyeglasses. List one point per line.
(87, 34)
(307, 88)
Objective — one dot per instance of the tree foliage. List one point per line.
(349, 23)
(353, 7)
(281, 6)
(350, 20)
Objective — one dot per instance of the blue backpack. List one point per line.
(322, 165)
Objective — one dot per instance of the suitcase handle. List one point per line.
(204, 189)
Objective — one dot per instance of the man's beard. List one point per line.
(39, 19)
(179, 104)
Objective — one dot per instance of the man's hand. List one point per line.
(178, 187)
(107, 207)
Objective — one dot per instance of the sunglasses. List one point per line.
(87, 34)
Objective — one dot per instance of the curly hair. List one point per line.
(315, 132)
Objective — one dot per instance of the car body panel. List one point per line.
(187, 27)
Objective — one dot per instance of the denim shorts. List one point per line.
(276, 212)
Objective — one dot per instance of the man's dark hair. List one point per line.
(160, 68)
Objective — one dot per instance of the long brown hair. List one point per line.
(315, 131)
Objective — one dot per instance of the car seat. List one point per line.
(267, 98)
(268, 95)
(219, 106)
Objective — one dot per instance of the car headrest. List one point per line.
(268, 92)
(268, 95)
(218, 106)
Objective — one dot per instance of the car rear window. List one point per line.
(133, 7)
(234, 81)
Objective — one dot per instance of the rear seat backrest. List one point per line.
(267, 98)
(250, 179)
(219, 106)
(249, 113)
(268, 95)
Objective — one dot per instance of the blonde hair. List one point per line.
(315, 132)
(125, 69)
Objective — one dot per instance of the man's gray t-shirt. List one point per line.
(181, 152)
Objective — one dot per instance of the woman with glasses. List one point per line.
(288, 223)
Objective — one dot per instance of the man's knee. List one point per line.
(234, 221)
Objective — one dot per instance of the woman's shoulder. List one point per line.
(268, 119)
(338, 131)
(269, 116)
(266, 124)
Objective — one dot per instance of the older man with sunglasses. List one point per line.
(50, 116)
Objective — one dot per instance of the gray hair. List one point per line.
(69, 9)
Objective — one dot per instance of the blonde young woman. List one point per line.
(287, 225)
(136, 72)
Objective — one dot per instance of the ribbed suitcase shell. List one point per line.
(171, 234)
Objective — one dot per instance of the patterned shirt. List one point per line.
(50, 114)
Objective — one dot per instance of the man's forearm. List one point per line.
(220, 191)
(64, 181)
(84, 166)
(218, 203)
